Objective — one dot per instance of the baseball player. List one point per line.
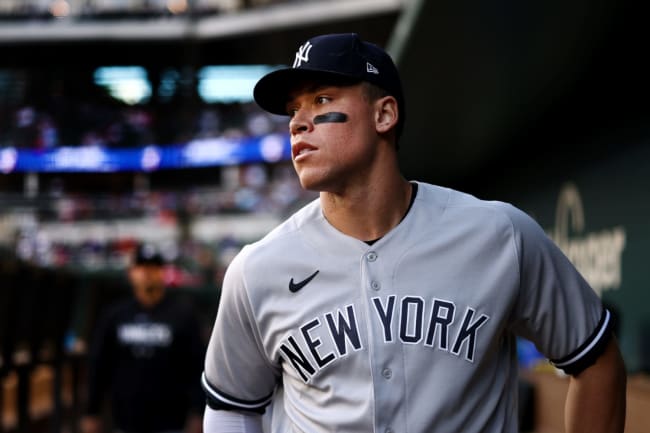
(389, 305)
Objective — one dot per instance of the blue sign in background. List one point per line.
(197, 153)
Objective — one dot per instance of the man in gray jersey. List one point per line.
(388, 305)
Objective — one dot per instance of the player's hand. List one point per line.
(91, 424)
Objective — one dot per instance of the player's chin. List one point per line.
(308, 185)
(312, 180)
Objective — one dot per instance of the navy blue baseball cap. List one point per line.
(335, 57)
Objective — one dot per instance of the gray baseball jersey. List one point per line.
(415, 332)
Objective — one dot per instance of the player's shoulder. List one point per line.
(456, 204)
(283, 237)
(449, 198)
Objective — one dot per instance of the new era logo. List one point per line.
(371, 69)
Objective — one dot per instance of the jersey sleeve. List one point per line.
(237, 373)
(556, 308)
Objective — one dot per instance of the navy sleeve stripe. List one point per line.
(597, 338)
(221, 398)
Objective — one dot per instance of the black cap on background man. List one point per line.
(147, 254)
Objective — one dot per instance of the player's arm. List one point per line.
(239, 380)
(561, 313)
(228, 421)
(596, 398)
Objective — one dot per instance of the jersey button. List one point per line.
(387, 373)
(375, 285)
(372, 256)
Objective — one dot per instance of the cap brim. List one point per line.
(272, 90)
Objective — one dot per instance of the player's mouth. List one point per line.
(300, 149)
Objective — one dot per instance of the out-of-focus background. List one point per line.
(124, 121)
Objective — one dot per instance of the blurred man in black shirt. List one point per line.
(148, 354)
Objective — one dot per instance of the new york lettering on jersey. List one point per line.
(404, 320)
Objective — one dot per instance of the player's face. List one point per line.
(333, 135)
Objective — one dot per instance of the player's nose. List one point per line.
(300, 122)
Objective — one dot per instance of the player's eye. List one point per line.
(291, 111)
(322, 99)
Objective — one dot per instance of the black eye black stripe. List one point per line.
(333, 116)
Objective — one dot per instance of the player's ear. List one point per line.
(386, 114)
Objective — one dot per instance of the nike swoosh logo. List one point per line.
(294, 287)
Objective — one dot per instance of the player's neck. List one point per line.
(368, 213)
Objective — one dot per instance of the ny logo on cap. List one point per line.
(302, 55)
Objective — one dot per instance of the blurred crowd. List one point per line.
(63, 119)
(257, 188)
(193, 264)
(45, 109)
(96, 123)
(64, 223)
(122, 9)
